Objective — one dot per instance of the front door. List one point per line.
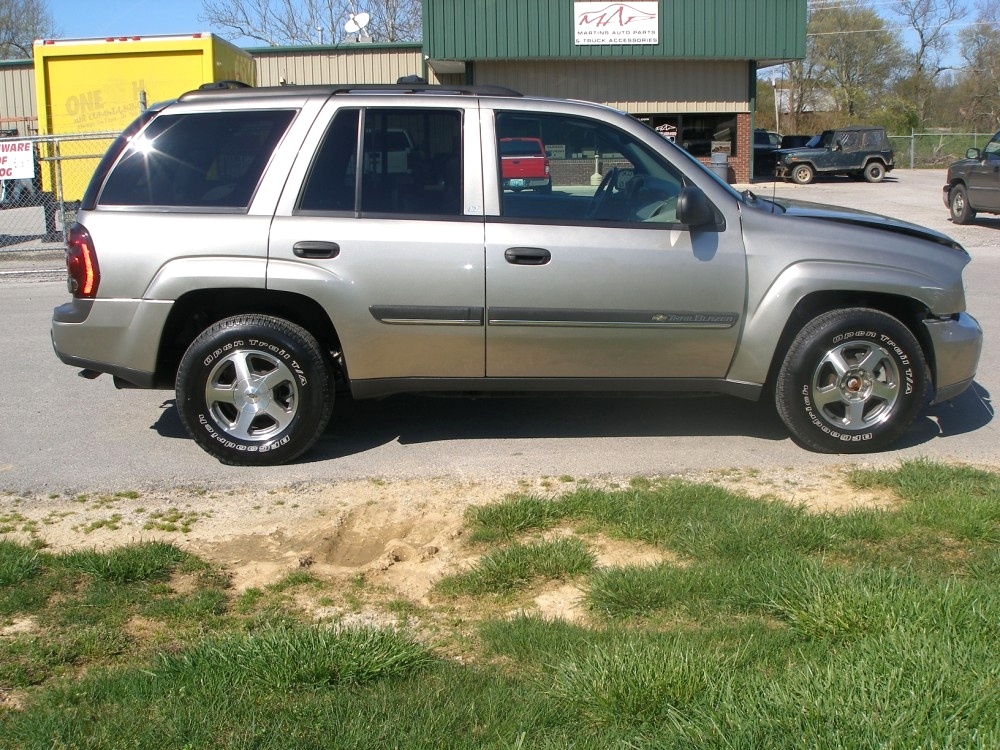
(597, 279)
(984, 178)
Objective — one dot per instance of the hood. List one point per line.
(853, 216)
(801, 151)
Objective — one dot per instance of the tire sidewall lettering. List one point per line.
(209, 426)
(888, 344)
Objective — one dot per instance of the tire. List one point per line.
(253, 390)
(803, 174)
(853, 381)
(958, 202)
(874, 171)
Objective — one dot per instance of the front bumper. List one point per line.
(957, 343)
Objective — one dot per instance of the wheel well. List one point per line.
(907, 311)
(197, 310)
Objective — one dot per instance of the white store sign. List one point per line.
(617, 23)
(17, 160)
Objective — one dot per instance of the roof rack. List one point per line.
(356, 88)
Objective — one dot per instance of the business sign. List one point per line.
(617, 23)
(17, 160)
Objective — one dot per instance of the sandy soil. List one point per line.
(401, 536)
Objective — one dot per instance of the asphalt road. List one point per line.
(61, 433)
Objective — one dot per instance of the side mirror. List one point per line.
(972, 153)
(694, 208)
(838, 146)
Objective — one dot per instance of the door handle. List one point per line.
(527, 256)
(316, 249)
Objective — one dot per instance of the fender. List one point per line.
(178, 277)
(766, 320)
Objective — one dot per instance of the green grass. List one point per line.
(764, 625)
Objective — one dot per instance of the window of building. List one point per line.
(698, 134)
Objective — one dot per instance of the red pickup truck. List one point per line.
(523, 165)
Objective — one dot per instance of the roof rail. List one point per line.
(348, 88)
(431, 88)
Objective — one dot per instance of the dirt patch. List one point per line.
(402, 536)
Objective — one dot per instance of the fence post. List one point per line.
(913, 148)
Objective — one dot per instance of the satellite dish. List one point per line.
(356, 23)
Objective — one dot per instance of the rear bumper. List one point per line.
(517, 183)
(957, 344)
(120, 337)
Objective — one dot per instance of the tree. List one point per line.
(930, 20)
(290, 22)
(855, 54)
(22, 22)
(980, 83)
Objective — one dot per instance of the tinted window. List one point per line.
(412, 162)
(594, 172)
(212, 159)
(331, 185)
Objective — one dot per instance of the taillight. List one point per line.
(81, 263)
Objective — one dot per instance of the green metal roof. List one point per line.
(709, 29)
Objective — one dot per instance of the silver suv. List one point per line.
(261, 249)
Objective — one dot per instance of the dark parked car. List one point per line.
(798, 141)
(973, 184)
(765, 143)
(856, 150)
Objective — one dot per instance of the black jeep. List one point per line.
(857, 150)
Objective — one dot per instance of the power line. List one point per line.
(898, 28)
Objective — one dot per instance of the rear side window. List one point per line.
(411, 164)
(211, 159)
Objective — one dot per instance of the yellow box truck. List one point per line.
(101, 85)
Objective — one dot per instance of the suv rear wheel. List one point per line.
(874, 171)
(958, 201)
(853, 381)
(253, 390)
(803, 174)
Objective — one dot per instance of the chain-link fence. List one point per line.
(42, 179)
(934, 150)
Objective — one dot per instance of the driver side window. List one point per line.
(992, 150)
(561, 169)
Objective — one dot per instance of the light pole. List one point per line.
(774, 85)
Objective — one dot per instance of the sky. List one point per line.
(104, 18)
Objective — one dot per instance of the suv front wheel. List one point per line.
(803, 174)
(853, 381)
(958, 200)
(254, 390)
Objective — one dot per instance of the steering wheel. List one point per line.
(637, 183)
(603, 190)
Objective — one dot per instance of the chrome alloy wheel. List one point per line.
(856, 385)
(252, 395)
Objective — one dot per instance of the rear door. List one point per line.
(388, 240)
(598, 279)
